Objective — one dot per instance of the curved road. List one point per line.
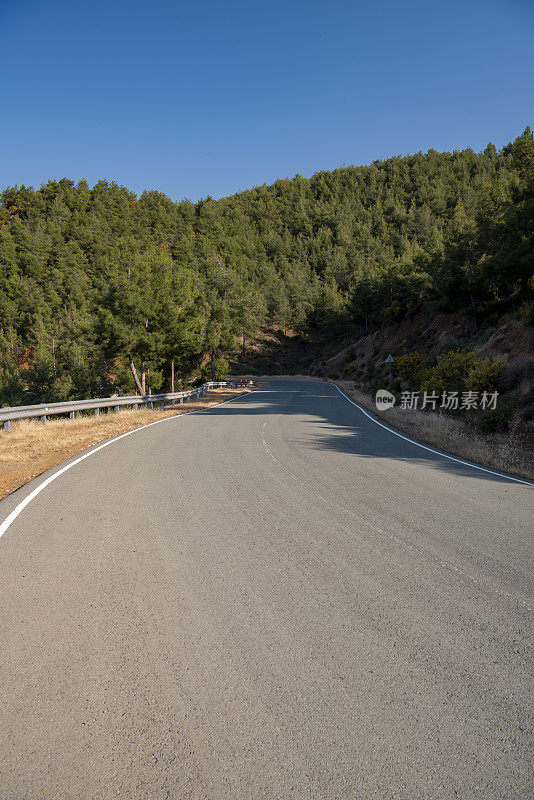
(274, 598)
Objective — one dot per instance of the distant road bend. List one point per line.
(274, 598)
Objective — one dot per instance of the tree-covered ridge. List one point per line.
(101, 290)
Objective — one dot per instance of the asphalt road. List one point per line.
(274, 598)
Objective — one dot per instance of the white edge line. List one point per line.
(38, 489)
(430, 449)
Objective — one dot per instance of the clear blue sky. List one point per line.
(212, 97)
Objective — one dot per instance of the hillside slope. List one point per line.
(433, 335)
(102, 291)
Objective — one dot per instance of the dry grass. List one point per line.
(497, 450)
(31, 448)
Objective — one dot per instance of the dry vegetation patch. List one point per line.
(31, 448)
(501, 451)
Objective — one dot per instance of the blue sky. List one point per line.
(213, 97)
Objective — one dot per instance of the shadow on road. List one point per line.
(339, 426)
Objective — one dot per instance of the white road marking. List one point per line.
(38, 489)
(264, 443)
(431, 449)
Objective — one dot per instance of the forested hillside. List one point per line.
(100, 290)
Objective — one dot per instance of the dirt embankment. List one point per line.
(30, 448)
(363, 361)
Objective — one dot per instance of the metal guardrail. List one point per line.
(8, 413)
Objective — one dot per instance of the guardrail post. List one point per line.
(71, 414)
(96, 412)
(181, 401)
(135, 406)
(6, 426)
(43, 419)
(115, 409)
